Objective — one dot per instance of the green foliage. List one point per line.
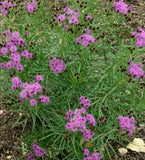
(96, 74)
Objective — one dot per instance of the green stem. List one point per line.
(119, 84)
(62, 43)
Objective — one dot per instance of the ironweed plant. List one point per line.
(75, 74)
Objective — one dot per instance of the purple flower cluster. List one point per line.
(68, 10)
(65, 27)
(79, 122)
(25, 53)
(71, 20)
(84, 101)
(16, 83)
(38, 78)
(61, 18)
(37, 150)
(4, 51)
(11, 46)
(85, 39)
(94, 156)
(57, 65)
(89, 18)
(44, 99)
(30, 6)
(127, 123)
(140, 38)
(5, 5)
(30, 90)
(33, 102)
(122, 7)
(136, 70)
(2, 65)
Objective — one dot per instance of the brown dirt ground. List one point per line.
(10, 137)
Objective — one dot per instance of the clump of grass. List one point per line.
(80, 61)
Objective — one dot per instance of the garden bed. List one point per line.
(10, 138)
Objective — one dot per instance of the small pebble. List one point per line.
(9, 157)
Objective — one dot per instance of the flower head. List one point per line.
(38, 78)
(30, 8)
(4, 51)
(7, 33)
(127, 123)
(33, 102)
(122, 7)
(15, 34)
(136, 70)
(68, 10)
(61, 18)
(57, 65)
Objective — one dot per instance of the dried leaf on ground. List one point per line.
(137, 145)
(122, 151)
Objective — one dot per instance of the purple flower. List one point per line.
(68, 126)
(135, 34)
(57, 65)
(70, 112)
(86, 30)
(16, 83)
(65, 27)
(83, 111)
(37, 150)
(76, 14)
(33, 4)
(79, 40)
(86, 152)
(13, 48)
(38, 78)
(127, 123)
(4, 6)
(85, 43)
(89, 18)
(2, 65)
(95, 156)
(4, 51)
(61, 18)
(7, 33)
(9, 65)
(15, 34)
(19, 67)
(25, 33)
(68, 10)
(132, 119)
(33, 102)
(86, 39)
(16, 59)
(130, 61)
(136, 70)
(30, 8)
(77, 10)
(26, 3)
(44, 99)
(78, 122)
(84, 101)
(24, 53)
(121, 7)
(30, 157)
